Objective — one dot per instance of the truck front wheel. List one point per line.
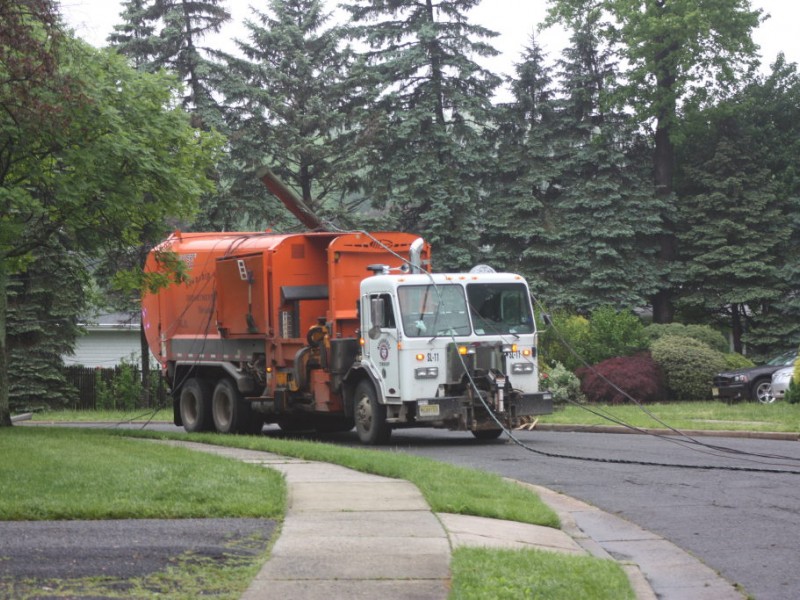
(195, 406)
(230, 411)
(370, 416)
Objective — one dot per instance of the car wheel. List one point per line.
(762, 391)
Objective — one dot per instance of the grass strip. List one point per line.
(445, 487)
(706, 416)
(480, 573)
(59, 473)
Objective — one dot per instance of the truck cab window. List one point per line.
(499, 308)
(428, 310)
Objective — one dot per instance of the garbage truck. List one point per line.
(328, 331)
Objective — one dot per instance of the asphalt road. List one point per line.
(744, 524)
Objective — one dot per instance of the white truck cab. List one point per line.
(444, 350)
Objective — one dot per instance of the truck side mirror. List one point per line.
(377, 317)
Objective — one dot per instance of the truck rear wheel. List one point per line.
(230, 411)
(195, 406)
(370, 416)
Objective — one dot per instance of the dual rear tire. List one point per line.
(223, 409)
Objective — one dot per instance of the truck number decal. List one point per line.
(433, 357)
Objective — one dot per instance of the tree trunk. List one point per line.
(736, 327)
(5, 411)
(663, 309)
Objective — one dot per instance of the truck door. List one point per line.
(381, 342)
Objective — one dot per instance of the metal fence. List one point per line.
(99, 386)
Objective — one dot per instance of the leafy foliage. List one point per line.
(734, 360)
(563, 384)
(606, 334)
(688, 365)
(612, 381)
(561, 341)
(703, 333)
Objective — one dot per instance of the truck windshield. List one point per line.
(431, 310)
(500, 308)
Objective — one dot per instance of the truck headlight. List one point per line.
(521, 368)
(426, 373)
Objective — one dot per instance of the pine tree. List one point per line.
(168, 34)
(739, 197)
(428, 104)
(525, 180)
(43, 305)
(597, 245)
(287, 107)
(574, 186)
(134, 36)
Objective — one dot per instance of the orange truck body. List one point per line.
(329, 330)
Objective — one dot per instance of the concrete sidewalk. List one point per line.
(350, 534)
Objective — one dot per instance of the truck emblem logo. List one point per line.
(383, 349)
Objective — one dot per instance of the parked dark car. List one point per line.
(754, 383)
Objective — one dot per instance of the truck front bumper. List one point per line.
(462, 413)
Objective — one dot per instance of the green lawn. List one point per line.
(710, 416)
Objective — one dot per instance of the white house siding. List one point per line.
(106, 348)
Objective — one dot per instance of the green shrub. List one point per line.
(124, 389)
(702, 333)
(606, 334)
(566, 330)
(792, 395)
(688, 366)
(563, 384)
(734, 361)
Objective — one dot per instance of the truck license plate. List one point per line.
(428, 410)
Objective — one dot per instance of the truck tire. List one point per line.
(487, 434)
(230, 411)
(370, 416)
(194, 405)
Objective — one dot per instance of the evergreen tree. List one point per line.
(525, 177)
(425, 124)
(575, 184)
(168, 34)
(739, 207)
(287, 107)
(596, 246)
(134, 37)
(43, 307)
(670, 49)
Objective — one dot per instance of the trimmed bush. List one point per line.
(637, 375)
(702, 333)
(734, 361)
(563, 384)
(688, 366)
